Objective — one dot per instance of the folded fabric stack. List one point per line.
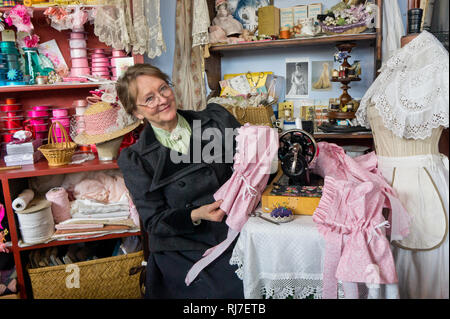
(23, 154)
(101, 206)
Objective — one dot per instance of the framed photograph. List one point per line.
(297, 77)
(246, 11)
(321, 75)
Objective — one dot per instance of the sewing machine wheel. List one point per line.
(297, 149)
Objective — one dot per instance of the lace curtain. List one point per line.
(393, 28)
(139, 32)
(188, 66)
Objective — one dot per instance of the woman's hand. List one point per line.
(210, 212)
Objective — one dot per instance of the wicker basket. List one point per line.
(346, 29)
(106, 278)
(256, 115)
(356, 30)
(58, 154)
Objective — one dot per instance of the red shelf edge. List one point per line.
(74, 241)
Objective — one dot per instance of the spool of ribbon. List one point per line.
(37, 113)
(10, 100)
(60, 204)
(22, 201)
(11, 124)
(40, 108)
(10, 107)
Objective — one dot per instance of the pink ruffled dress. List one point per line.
(256, 148)
(350, 217)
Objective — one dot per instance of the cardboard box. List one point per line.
(269, 21)
(285, 106)
(299, 205)
(314, 10)
(286, 17)
(300, 13)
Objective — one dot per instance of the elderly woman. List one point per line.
(174, 197)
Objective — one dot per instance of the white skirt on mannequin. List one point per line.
(420, 176)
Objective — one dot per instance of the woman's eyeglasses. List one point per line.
(164, 91)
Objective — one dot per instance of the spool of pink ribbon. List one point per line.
(60, 204)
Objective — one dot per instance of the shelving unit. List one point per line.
(213, 63)
(58, 95)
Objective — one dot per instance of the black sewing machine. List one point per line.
(297, 149)
(294, 186)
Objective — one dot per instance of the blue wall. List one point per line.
(274, 59)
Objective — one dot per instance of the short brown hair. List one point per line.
(126, 85)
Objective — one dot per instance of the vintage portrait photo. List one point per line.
(297, 75)
(321, 75)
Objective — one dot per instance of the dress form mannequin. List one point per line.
(419, 174)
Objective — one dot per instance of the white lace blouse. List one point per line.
(411, 93)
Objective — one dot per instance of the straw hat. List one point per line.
(104, 122)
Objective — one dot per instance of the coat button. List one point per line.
(181, 184)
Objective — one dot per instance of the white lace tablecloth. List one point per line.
(287, 261)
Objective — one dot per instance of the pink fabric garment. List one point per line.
(104, 188)
(350, 218)
(256, 148)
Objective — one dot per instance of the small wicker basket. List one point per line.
(345, 29)
(58, 154)
(356, 30)
(256, 115)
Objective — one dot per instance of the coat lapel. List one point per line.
(158, 155)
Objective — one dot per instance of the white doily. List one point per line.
(411, 93)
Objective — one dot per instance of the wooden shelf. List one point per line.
(41, 168)
(326, 39)
(345, 79)
(74, 241)
(343, 136)
(48, 87)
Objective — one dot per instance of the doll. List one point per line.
(225, 20)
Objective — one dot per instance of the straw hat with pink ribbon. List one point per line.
(104, 122)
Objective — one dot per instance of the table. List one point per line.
(286, 261)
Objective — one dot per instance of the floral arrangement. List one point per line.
(347, 17)
(30, 41)
(20, 17)
(105, 93)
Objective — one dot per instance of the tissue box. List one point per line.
(30, 147)
(269, 21)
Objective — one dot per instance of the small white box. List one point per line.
(300, 13)
(286, 17)
(30, 147)
(22, 159)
